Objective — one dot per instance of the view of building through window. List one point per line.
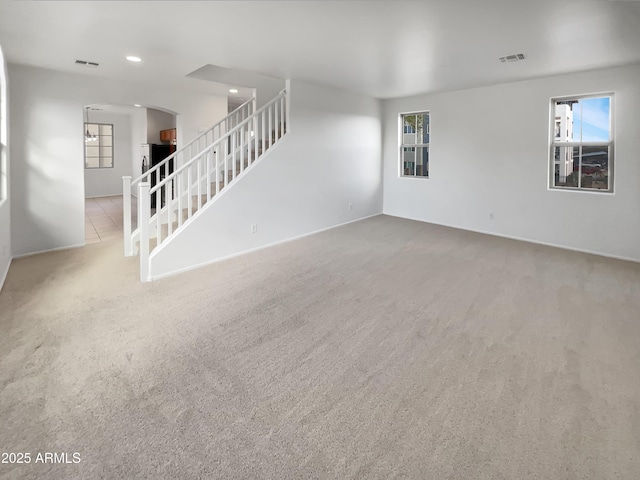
(414, 151)
(98, 145)
(582, 146)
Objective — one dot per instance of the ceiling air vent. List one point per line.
(86, 63)
(512, 58)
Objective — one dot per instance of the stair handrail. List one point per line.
(175, 173)
(200, 176)
(153, 169)
(128, 183)
(188, 179)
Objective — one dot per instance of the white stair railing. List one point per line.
(181, 195)
(179, 157)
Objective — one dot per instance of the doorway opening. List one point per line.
(118, 140)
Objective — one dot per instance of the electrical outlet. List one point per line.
(254, 228)
(491, 216)
(350, 206)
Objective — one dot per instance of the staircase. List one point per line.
(204, 169)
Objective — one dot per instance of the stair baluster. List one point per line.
(179, 195)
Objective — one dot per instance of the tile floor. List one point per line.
(103, 218)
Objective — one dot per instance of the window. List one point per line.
(582, 145)
(98, 145)
(414, 150)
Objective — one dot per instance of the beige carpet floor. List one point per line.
(382, 349)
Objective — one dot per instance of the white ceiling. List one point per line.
(385, 48)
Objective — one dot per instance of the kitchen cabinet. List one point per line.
(168, 135)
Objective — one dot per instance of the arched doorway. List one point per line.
(117, 143)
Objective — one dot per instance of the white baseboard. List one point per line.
(69, 247)
(522, 239)
(251, 250)
(118, 194)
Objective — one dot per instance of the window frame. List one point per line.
(403, 145)
(99, 136)
(553, 144)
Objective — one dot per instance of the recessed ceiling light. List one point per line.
(133, 58)
(137, 105)
(233, 90)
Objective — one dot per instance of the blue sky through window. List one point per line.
(591, 120)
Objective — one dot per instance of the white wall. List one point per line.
(47, 175)
(5, 198)
(158, 120)
(100, 182)
(490, 154)
(267, 89)
(331, 158)
(194, 120)
(138, 137)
